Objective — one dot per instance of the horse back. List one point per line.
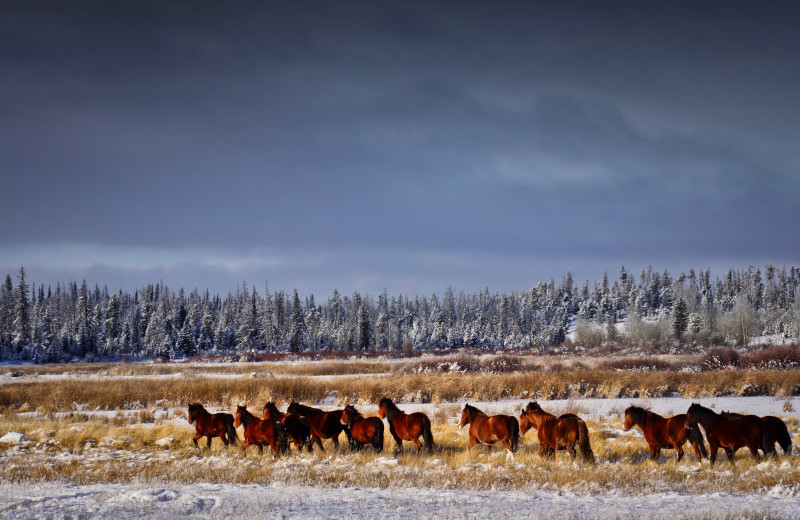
(410, 426)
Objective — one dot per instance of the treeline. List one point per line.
(76, 322)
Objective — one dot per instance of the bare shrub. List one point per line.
(640, 363)
(720, 357)
(775, 357)
(588, 335)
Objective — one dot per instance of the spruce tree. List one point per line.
(680, 318)
(22, 327)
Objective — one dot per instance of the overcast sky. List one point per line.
(407, 146)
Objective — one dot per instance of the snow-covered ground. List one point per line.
(136, 501)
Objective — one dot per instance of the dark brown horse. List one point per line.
(208, 425)
(777, 429)
(730, 434)
(296, 426)
(260, 433)
(665, 433)
(557, 433)
(406, 427)
(323, 425)
(364, 430)
(488, 430)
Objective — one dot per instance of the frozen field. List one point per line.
(460, 485)
(136, 501)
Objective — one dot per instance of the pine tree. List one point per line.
(297, 335)
(680, 318)
(22, 326)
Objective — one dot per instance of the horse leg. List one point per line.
(754, 451)
(653, 452)
(316, 439)
(712, 452)
(208, 445)
(224, 438)
(197, 436)
(730, 452)
(417, 444)
(679, 449)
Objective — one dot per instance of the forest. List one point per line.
(661, 314)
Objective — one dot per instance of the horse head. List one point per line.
(525, 423)
(240, 411)
(349, 414)
(633, 415)
(691, 416)
(467, 415)
(382, 406)
(293, 408)
(270, 411)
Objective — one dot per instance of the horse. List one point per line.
(665, 433)
(296, 426)
(406, 427)
(367, 430)
(323, 425)
(259, 433)
(777, 429)
(557, 433)
(488, 430)
(208, 425)
(730, 433)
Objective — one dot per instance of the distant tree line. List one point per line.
(76, 322)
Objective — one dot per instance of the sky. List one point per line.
(406, 146)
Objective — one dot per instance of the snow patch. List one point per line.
(13, 438)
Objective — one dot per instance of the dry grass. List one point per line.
(48, 395)
(80, 450)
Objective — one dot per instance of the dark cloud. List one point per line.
(550, 135)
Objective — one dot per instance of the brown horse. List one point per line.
(367, 430)
(296, 426)
(661, 433)
(556, 433)
(208, 425)
(777, 429)
(488, 430)
(406, 427)
(259, 433)
(323, 425)
(730, 434)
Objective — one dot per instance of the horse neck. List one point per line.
(473, 413)
(639, 416)
(273, 412)
(392, 411)
(247, 418)
(540, 418)
(705, 416)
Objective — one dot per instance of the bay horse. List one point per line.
(296, 426)
(557, 433)
(406, 427)
(367, 430)
(777, 429)
(323, 425)
(488, 430)
(208, 425)
(730, 434)
(665, 433)
(260, 433)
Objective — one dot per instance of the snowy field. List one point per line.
(277, 501)
(427, 488)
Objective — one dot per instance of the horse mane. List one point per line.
(390, 406)
(246, 416)
(273, 410)
(198, 409)
(303, 408)
(472, 411)
(352, 413)
(533, 406)
(730, 415)
(639, 413)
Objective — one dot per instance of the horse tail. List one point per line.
(306, 434)
(232, 437)
(695, 437)
(767, 442)
(514, 434)
(379, 440)
(583, 442)
(281, 438)
(427, 436)
(783, 437)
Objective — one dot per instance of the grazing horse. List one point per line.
(208, 425)
(557, 433)
(662, 433)
(323, 425)
(259, 433)
(488, 430)
(777, 429)
(367, 430)
(296, 426)
(730, 433)
(406, 427)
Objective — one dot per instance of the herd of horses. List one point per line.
(303, 426)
